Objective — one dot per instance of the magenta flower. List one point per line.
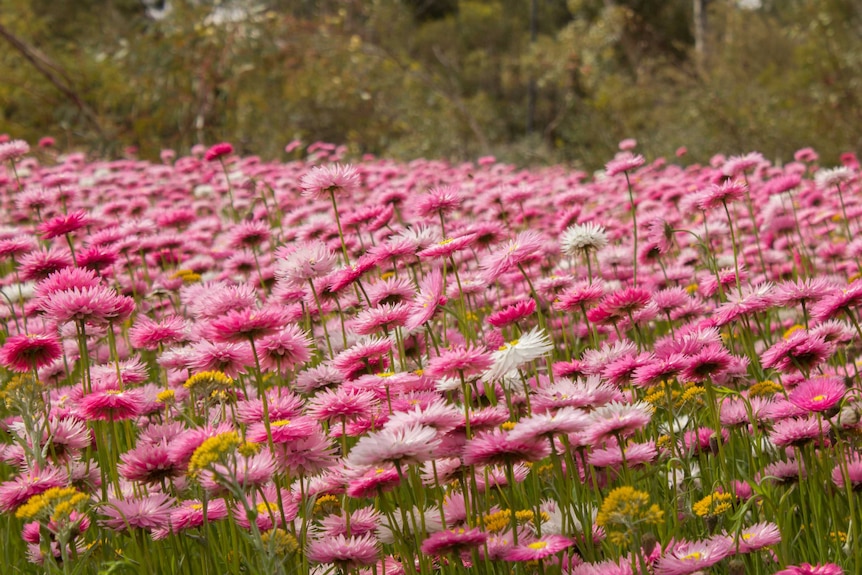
(512, 314)
(29, 351)
(112, 404)
(64, 224)
(818, 394)
(218, 151)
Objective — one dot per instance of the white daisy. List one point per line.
(516, 353)
(581, 238)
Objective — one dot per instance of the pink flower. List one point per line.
(684, 557)
(336, 179)
(64, 224)
(346, 552)
(17, 491)
(231, 358)
(809, 569)
(758, 536)
(29, 351)
(373, 480)
(149, 334)
(453, 541)
(818, 394)
(384, 317)
(459, 361)
(112, 404)
(617, 420)
(284, 349)
(148, 463)
(439, 200)
(492, 447)
(283, 430)
(150, 512)
(539, 549)
(218, 151)
(247, 324)
(413, 444)
(98, 305)
(801, 351)
(13, 149)
(512, 314)
(796, 431)
(305, 262)
(341, 405)
(526, 248)
(190, 513)
(427, 301)
(623, 162)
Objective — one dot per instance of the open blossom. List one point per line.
(582, 238)
(514, 354)
(688, 557)
(624, 162)
(336, 178)
(526, 248)
(413, 444)
(29, 351)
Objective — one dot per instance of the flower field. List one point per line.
(216, 364)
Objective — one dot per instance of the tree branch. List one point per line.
(44, 66)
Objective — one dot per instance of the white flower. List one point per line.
(583, 237)
(828, 178)
(516, 353)
(411, 444)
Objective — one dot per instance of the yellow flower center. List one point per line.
(818, 398)
(693, 556)
(538, 545)
(281, 423)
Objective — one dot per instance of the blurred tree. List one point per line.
(453, 78)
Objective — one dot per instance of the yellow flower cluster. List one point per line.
(57, 502)
(764, 389)
(690, 394)
(188, 276)
(212, 450)
(658, 394)
(247, 449)
(166, 396)
(501, 520)
(623, 510)
(713, 505)
(326, 504)
(280, 541)
(208, 379)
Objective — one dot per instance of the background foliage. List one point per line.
(437, 78)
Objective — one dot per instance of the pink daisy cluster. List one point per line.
(222, 364)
